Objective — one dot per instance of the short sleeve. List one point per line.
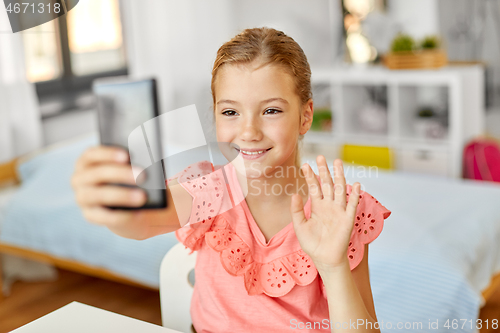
(368, 224)
(207, 188)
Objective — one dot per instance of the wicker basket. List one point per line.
(416, 60)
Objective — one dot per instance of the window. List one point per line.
(42, 50)
(65, 55)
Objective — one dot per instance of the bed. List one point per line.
(436, 260)
(43, 222)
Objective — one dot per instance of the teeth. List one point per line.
(252, 152)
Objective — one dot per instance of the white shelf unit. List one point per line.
(462, 92)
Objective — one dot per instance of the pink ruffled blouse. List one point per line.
(243, 283)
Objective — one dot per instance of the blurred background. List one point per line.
(47, 70)
(411, 86)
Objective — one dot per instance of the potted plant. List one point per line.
(322, 120)
(430, 43)
(408, 54)
(427, 124)
(403, 43)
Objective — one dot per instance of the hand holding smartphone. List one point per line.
(127, 111)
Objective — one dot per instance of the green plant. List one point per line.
(430, 42)
(322, 119)
(426, 112)
(403, 43)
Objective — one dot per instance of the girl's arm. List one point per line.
(350, 298)
(153, 222)
(361, 277)
(325, 237)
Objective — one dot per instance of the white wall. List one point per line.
(472, 33)
(415, 17)
(309, 23)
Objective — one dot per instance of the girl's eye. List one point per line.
(229, 113)
(272, 111)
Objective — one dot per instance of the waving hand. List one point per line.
(326, 234)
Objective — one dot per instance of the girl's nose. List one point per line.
(251, 130)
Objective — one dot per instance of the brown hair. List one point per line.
(268, 46)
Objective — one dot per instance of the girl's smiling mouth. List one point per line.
(252, 153)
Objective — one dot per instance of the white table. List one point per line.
(81, 318)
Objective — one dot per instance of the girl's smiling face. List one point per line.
(258, 112)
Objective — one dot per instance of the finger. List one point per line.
(109, 195)
(340, 186)
(297, 210)
(326, 178)
(101, 154)
(353, 201)
(312, 183)
(107, 173)
(107, 217)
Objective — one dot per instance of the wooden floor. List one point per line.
(491, 312)
(29, 301)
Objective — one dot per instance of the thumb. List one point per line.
(297, 210)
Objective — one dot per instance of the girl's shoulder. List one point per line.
(211, 192)
(368, 224)
(192, 172)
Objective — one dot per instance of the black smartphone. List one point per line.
(128, 113)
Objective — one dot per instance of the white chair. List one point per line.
(176, 289)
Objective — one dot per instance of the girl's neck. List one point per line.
(275, 187)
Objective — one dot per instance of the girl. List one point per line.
(266, 261)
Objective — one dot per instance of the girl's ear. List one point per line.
(306, 117)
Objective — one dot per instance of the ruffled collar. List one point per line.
(274, 278)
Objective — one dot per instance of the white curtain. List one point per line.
(20, 123)
(176, 42)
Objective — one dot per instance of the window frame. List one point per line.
(68, 87)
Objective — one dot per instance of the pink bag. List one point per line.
(482, 160)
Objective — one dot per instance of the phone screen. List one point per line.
(127, 111)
